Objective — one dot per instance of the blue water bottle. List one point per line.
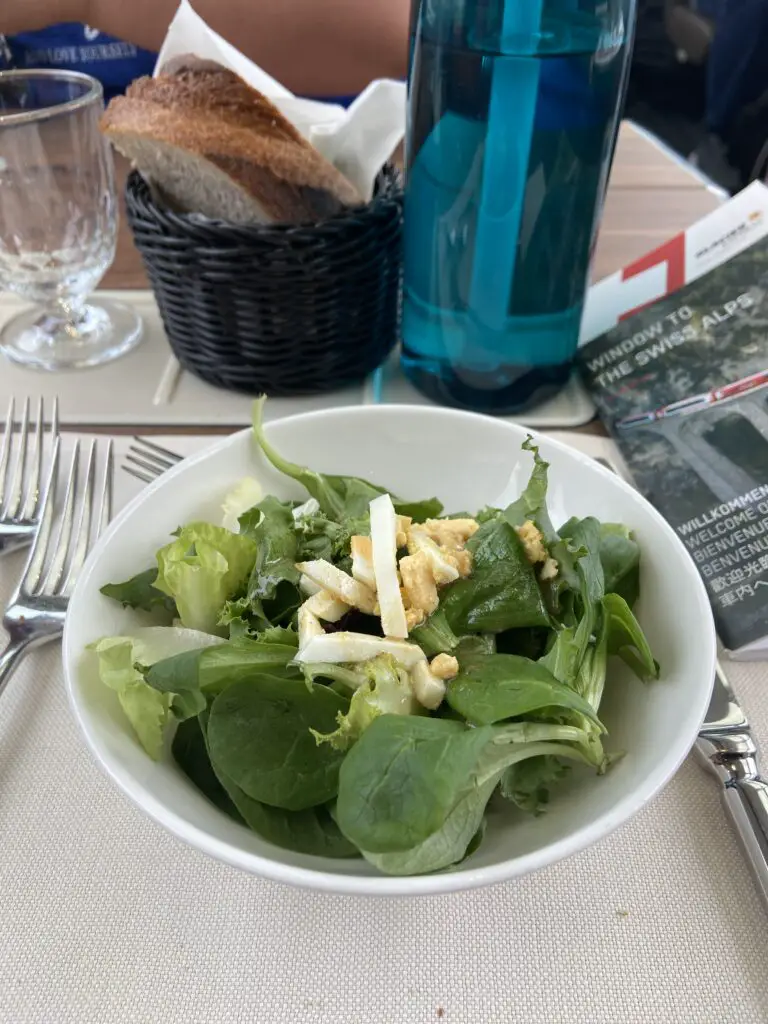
(513, 110)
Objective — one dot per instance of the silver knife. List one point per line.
(725, 746)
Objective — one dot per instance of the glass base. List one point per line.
(45, 340)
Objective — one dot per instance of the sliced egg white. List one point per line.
(339, 648)
(309, 626)
(429, 690)
(341, 585)
(442, 570)
(326, 607)
(306, 586)
(362, 561)
(384, 544)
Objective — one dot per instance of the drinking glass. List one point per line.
(58, 222)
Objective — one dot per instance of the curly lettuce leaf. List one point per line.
(386, 691)
(202, 569)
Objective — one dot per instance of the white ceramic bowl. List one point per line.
(466, 461)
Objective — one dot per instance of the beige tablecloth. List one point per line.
(106, 919)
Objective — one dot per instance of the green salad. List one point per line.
(358, 675)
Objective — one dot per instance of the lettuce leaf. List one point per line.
(203, 568)
(119, 657)
(385, 692)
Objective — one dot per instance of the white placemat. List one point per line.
(148, 387)
(106, 919)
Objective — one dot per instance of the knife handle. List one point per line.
(746, 800)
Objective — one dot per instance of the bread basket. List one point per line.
(276, 309)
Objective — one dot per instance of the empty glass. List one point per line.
(58, 222)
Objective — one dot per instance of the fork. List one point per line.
(20, 498)
(36, 611)
(146, 460)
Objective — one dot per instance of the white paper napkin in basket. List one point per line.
(358, 141)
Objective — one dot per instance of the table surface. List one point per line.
(108, 919)
(651, 196)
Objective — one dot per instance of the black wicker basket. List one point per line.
(278, 309)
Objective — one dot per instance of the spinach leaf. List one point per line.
(626, 638)
(564, 656)
(401, 780)
(532, 505)
(455, 796)
(340, 497)
(584, 534)
(490, 689)
(259, 737)
(502, 593)
(620, 558)
(312, 831)
(451, 843)
(188, 705)
(191, 755)
(528, 643)
(476, 643)
(140, 592)
(435, 636)
(528, 782)
(236, 661)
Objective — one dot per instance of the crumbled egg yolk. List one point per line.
(535, 551)
(444, 666)
(533, 542)
(419, 583)
(452, 533)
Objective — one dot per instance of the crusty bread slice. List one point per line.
(212, 145)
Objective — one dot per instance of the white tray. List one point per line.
(148, 388)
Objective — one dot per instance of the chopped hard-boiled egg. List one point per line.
(533, 542)
(429, 689)
(339, 584)
(403, 525)
(362, 561)
(452, 533)
(419, 583)
(549, 570)
(384, 546)
(444, 666)
(309, 626)
(442, 564)
(306, 586)
(326, 607)
(339, 648)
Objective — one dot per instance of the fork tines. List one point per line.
(146, 460)
(21, 466)
(53, 565)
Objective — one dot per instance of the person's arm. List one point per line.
(315, 47)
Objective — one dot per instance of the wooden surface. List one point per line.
(651, 196)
